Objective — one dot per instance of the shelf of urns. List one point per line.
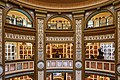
(97, 77)
(26, 77)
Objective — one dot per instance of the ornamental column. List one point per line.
(40, 59)
(79, 58)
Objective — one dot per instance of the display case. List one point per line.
(26, 50)
(10, 51)
(19, 18)
(59, 23)
(18, 50)
(59, 50)
(102, 19)
(108, 49)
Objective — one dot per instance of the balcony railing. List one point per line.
(100, 65)
(59, 64)
(18, 66)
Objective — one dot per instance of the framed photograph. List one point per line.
(59, 63)
(19, 66)
(106, 66)
(65, 63)
(25, 65)
(6, 67)
(93, 64)
(31, 65)
(53, 63)
(12, 67)
(99, 65)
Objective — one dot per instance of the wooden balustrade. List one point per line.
(21, 66)
(100, 65)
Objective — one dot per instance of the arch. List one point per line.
(19, 17)
(59, 22)
(100, 18)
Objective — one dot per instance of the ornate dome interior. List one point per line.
(63, 4)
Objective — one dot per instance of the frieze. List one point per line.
(18, 36)
(100, 37)
(59, 38)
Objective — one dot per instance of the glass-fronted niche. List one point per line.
(59, 76)
(59, 23)
(100, 50)
(63, 50)
(100, 19)
(18, 50)
(26, 77)
(97, 77)
(19, 18)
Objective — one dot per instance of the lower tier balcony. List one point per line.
(100, 65)
(16, 66)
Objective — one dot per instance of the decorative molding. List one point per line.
(78, 75)
(78, 39)
(118, 34)
(1, 35)
(40, 46)
(18, 36)
(40, 65)
(40, 75)
(78, 46)
(16, 67)
(1, 70)
(118, 69)
(18, 74)
(100, 37)
(59, 71)
(100, 73)
(59, 38)
(78, 64)
(40, 39)
(59, 64)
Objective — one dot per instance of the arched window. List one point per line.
(96, 22)
(109, 20)
(59, 23)
(19, 18)
(103, 21)
(103, 18)
(90, 23)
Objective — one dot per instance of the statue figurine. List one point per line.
(100, 56)
(57, 55)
